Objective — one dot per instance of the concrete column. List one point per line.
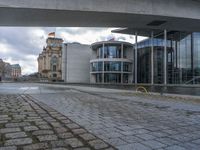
(152, 59)
(103, 64)
(165, 57)
(136, 49)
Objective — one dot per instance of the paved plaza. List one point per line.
(36, 116)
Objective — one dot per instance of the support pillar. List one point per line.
(103, 63)
(165, 57)
(122, 65)
(136, 62)
(152, 59)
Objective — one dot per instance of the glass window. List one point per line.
(112, 78)
(54, 67)
(54, 75)
(99, 78)
(112, 51)
(112, 66)
(127, 67)
(97, 66)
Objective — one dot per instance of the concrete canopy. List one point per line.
(182, 14)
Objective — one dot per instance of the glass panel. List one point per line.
(125, 78)
(112, 66)
(196, 58)
(112, 78)
(127, 67)
(99, 78)
(112, 51)
(97, 66)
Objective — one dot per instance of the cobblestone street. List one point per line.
(27, 124)
(76, 117)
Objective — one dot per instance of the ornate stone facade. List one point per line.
(5, 70)
(16, 71)
(50, 60)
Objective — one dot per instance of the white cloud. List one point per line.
(22, 45)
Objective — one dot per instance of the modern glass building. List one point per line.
(111, 62)
(182, 59)
(169, 57)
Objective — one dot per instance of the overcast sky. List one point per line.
(22, 45)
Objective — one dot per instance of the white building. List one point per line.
(112, 62)
(76, 63)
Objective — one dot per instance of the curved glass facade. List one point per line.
(183, 59)
(111, 64)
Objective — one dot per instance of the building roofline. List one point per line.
(110, 42)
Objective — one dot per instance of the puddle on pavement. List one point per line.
(29, 88)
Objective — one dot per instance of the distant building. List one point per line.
(76, 63)
(7, 71)
(49, 61)
(16, 71)
(111, 62)
(2, 64)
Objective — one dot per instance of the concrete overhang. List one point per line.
(100, 13)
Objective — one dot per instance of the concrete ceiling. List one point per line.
(177, 14)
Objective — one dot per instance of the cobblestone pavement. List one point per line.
(131, 122)
(26, 124)
(120, 118)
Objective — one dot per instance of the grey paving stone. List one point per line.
(153, 144)
(167, 141)
(65, 135)
(3, 121)
(21, 124)
(61, 130)
(134, 146)
(36, 146)
(8, 148)
(113, 135)
(60, 148)
(59, 143)
(74, 142)
(45, 127)
(30, 128)
(131, 139)
(56, 124)
(66, 121)
(109, 149)
(79, 131)
(146, 136)
(87, 136)
(9, 130)
(41, 123)
(196, 141)
(175, 147)
(42, 132)
(83, 148)
(72, 126)
(15, 135)
(3, 116)
(116, 141)
(20, 141)
(43, 138)
(98, 144)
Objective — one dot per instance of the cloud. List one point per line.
(23, 44)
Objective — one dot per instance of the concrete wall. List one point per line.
(99, 13)
(76, 63)
(172, 8)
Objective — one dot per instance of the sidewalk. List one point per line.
(28, 125)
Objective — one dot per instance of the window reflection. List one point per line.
(112, 51)
(183, 59)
